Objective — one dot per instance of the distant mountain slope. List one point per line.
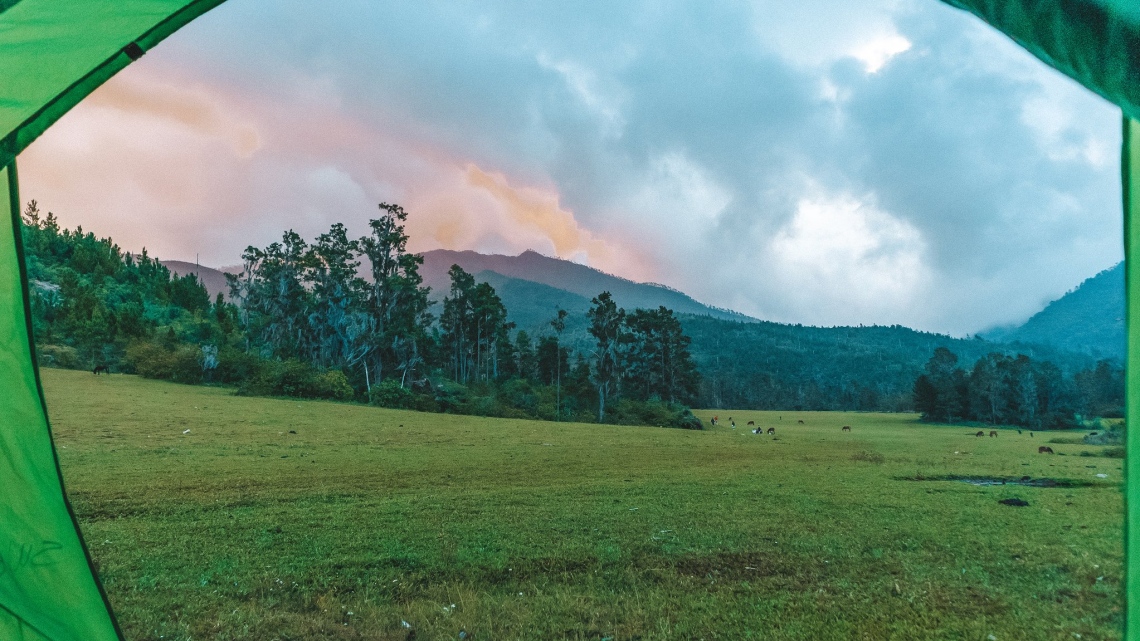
(744, 363)
(772, 365)
(214, 280)
(776, 366)
(565, 275)
(1089, 319)
(531, 306)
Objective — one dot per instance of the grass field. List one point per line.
(278, 519)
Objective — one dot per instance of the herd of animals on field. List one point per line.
(715, 420)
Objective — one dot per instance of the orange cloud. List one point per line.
(538, 210)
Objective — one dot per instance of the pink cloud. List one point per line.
(186, 167)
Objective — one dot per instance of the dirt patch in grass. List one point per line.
(1005, 480)
(866, 456)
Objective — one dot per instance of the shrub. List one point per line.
(424, 403)
(150, 360)
(520, 395)
(652, 412)
(57, 356)
(235, 366)
(690, 422)
(297, 379)
(186, 365)
(1110, 437)
(450, 396)
(388, 393)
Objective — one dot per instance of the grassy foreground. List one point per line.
(275, 519)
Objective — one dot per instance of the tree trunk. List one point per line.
(601, 403)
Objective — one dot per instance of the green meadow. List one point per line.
(212, 516)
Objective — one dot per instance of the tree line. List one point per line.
(349, 318)
(1002, 389)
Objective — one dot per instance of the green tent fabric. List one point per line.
(47, 590)
(53, 53)
(1095, 42)
(1130, 175)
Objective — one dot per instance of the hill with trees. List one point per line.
(1089, 319)
(364, 319)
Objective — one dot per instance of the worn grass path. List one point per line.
(279, 519)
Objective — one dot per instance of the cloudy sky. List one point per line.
(819, 162)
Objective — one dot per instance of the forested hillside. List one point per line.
(355, 318)
(775, 366)
(90, 299)
(1089, 319)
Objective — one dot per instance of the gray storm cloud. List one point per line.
(879, 161)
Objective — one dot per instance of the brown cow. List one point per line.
(800, 422)
(846, 428)
(771, 430)
(1044, 450)
(993, 434)
(980, 434)
(751, 422)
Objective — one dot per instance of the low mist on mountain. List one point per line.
(1088, 319)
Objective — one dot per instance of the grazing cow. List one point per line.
(800, 422)
(1019, 431)
(1031, 435)
(993, 434)
(1092, 433)
(771, 430)
(100, 369)
(846, 428)
(1044, 449)
(733, 423)
(980, 434)
(754, 422)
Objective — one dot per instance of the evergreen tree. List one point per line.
(396, 302)
(606, 323)
(948, 382)
(558, 324)
(657, 359)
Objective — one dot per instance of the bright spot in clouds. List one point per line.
(876, 53)
(854, 253)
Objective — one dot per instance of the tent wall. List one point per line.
(53, 53)
(1130, 174)
(47, 588)
(1095, 42)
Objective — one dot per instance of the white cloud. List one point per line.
(865, 263)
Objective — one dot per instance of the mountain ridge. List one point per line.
(568, 276)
